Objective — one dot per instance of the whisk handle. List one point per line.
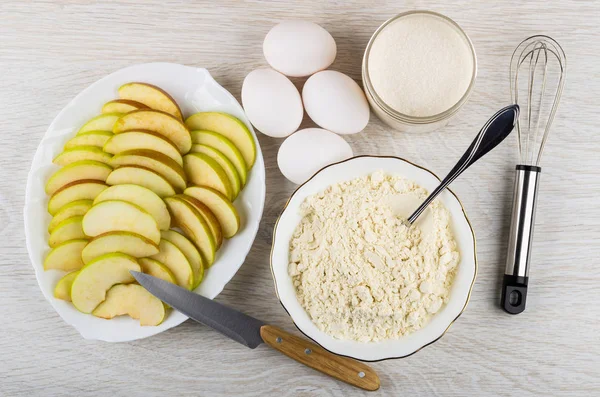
(516, 275)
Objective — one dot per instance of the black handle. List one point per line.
(514, 294)
(498, 127)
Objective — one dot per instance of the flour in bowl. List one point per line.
(359, 273)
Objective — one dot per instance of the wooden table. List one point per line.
(50, 51)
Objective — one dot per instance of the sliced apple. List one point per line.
(157, 162)
(228, 126)
(188, 219)
(219, 205)
(132, 300)
(86, 169)
(120, 216)
(190, 252)
(143, 198)
(202, 170)
(225, 146)
(132, 140)
(157, 269)
(85, 189)
(223, 161)
(89, 138)
(97, 277)
(172, 257)
(104, 122)
(210, 219)
(76, 208)
(151, 96)
(69, 229)
(143, 177)
(82, 153)
(62, 290)
(122, 106)
(66, 256)
(168, 126)
(124, 242)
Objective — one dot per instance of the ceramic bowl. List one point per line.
(194, 90)
(461, 287)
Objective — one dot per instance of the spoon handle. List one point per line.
(498, 127)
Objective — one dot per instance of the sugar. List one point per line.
(420, 65)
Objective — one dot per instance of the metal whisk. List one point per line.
(537, 74)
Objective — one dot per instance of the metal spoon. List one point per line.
(498, 127)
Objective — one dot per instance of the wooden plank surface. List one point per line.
(51, 50)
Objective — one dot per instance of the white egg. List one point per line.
(308, 150)
(335, 102)
(299, 48)
(272, 103)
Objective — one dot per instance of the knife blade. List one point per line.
(252, 332)
(236, 325)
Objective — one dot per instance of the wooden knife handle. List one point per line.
(345, 369)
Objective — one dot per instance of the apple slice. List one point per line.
(134, 301)
(157, 269)
(82, 153)
(63, 287)
(143, 198)
(132, 140)
(186, 217)
(225, 146)
(69, 229)
(85, 189)
(202, 170)
(122, 106)
(209, 218)
(90, 138)
(175, 260)
(104, 122)
(97, 277)
(190, 252)
(141, 176)
(76, 208)
(168, 126)
(151, 96)
(223, 161)
(157, 162)
(124, 242)
(66, 256)
(120, 216)
(86, 169)
(228, 126)
(218, 204)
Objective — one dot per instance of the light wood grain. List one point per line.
(51, 50)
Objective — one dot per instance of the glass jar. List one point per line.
(405, 122)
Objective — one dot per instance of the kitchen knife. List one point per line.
(251, 332)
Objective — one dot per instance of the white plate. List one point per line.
(374, 351)
(194, 90)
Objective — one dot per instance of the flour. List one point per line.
(359, 272)
(420, 65)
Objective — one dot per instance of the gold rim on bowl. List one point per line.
(466, 218)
